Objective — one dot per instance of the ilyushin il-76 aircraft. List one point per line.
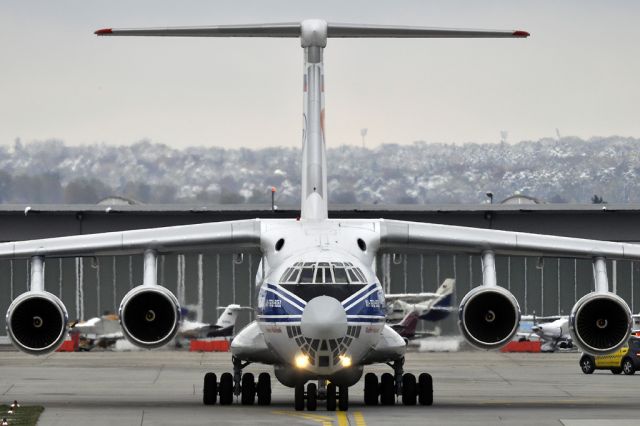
(320, 313)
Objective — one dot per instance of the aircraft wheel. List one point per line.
(425, 389)
(587, 364)
(298, 400)
(370, 389)
(627, 366)
(343, 398)
(331, 397)
(210, 389)
(312, 397)
(264, 389)
(248, 393)
(226, 389)
(616, 370)
(387, 390)
(409, 389)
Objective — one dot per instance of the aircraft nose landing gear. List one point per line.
(337, 397)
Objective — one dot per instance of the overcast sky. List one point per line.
(578, 72)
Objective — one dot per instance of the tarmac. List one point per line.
(165, 388)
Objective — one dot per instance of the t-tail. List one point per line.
(313, 34)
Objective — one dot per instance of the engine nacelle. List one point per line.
(600, 323)
(489, 317)
(149, 316)
(37, 322)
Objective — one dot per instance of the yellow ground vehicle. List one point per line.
(626, 360)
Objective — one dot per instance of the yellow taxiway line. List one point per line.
(342, 417)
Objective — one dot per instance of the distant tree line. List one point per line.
(570, 170)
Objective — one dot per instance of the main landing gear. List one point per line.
(401, 384)
(335, 396)
(238, 384)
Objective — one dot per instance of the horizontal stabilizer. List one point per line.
(295, 30)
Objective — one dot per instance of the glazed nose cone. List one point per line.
(324, 318)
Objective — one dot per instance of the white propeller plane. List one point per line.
(321, 311)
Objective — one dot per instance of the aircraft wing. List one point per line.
(232, 235)
(401, 235)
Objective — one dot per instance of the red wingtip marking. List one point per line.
(104, 31)
(521, 34)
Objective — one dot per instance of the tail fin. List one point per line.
(407, 326)
(443, 305)
(313, 35)
(230, 315)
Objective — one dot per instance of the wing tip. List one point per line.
(103, 31)
(520, 33)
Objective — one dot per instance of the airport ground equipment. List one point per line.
(625, 360)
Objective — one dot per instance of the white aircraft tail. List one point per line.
(313, 35)
(230, 315)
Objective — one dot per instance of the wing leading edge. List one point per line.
(395, 234)
(219, 235)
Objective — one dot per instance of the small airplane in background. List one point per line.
(404, 310)
(553, 331)
(105, 331)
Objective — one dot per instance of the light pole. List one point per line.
(490, 195)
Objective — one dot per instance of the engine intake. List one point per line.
(37, 322)
(489, 317)
(149, 316)
(600, 323)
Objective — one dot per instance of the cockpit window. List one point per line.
(307, 275)
(323, 273)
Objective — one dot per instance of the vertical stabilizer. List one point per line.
(313, 38)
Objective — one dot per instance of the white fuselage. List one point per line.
(319, 295)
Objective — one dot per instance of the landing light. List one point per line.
(301, 361)
(345, 360)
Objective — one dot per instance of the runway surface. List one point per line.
(165, 388)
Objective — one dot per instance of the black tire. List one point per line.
(226, 389)
(264, 389)
(343, 398)
(370, 389)
(587, 364)
(425, 389)
(387, 390)
(210, 389)
(616, 370)
(298, 399)
(312, 397)
(331, 397)
(409, 389)
(248, 390)
(628, 367)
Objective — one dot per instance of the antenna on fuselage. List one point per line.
(313, 34)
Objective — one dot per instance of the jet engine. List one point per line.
(149, 316)
(600, 323)
(489, 317)
(37, 322)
